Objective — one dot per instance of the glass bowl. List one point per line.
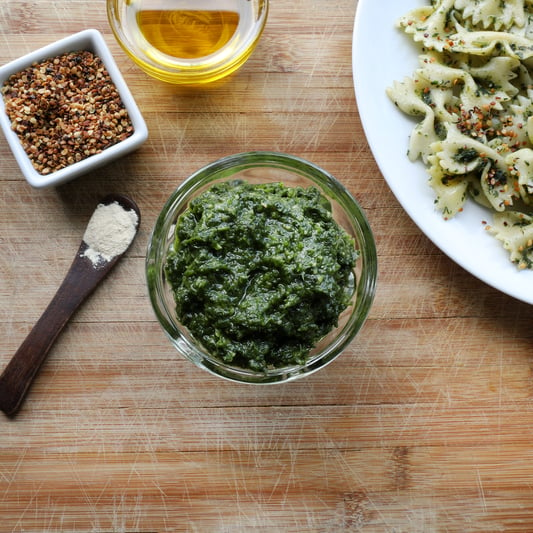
(263, 167)
(181, 42)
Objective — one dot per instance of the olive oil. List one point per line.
(187, 34)
(188, 41)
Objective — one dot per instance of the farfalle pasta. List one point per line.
(472, 97)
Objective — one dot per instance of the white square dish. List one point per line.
(92, 41)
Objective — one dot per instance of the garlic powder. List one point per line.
(110, 231)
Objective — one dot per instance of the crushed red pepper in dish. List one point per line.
(65, 109)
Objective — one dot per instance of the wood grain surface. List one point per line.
(424, 424)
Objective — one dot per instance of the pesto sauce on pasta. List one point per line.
(473, 96)
(260, 272)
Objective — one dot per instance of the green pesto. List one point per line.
(260, 272)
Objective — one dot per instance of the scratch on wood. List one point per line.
(481, 491)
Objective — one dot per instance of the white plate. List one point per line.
(382, 54)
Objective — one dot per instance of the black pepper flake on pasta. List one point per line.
(65, 109)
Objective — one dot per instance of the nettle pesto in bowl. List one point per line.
(261, 268)
(260, 272)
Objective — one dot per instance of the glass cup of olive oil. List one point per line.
(188, 41)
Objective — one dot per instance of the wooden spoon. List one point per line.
(80, 281)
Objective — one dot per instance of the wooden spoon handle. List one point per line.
(80, 281)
